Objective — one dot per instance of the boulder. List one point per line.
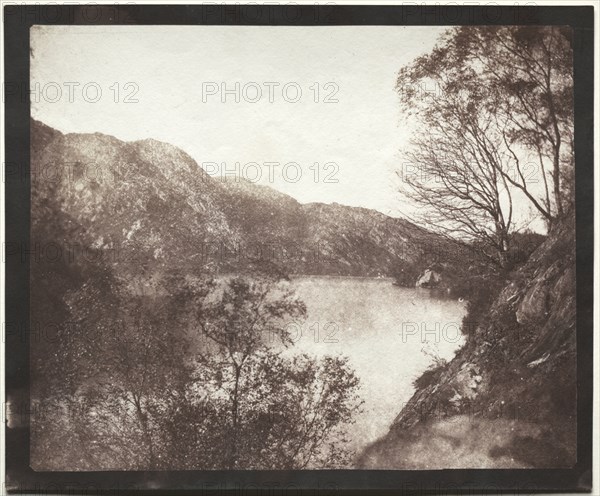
(533, 305)
(429, 279)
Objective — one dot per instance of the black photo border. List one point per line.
(21, 478)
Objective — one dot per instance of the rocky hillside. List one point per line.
(508, 398)
(148, 204)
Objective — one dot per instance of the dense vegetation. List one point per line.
(187, 376)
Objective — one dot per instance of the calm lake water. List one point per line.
(388, 333)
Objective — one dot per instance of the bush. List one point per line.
(522, 245)
(480, 292)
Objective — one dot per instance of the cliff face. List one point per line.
(508, 398)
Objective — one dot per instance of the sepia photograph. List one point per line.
(304, 247)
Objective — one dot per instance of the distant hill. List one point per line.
(148, 204)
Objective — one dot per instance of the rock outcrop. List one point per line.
(508, 398)
(429, 279)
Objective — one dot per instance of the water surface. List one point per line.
(390, 335)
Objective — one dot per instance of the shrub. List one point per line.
(480, 292)
(522, 245)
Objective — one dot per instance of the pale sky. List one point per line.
(361, 130)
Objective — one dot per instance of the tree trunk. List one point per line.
(556, 177)
(146, 432)
(234, 419)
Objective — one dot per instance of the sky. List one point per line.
(318, 101)
(311, 111)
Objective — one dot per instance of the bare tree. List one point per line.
(523, 77)
(536, 87)
(455, 169)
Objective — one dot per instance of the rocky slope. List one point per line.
(508, 398)
(148, 204)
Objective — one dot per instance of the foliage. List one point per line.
(289, 411)
(522, 245)
(160, 395)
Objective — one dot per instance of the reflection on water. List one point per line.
(390, 335)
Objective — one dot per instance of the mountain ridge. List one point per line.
(152, 201)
